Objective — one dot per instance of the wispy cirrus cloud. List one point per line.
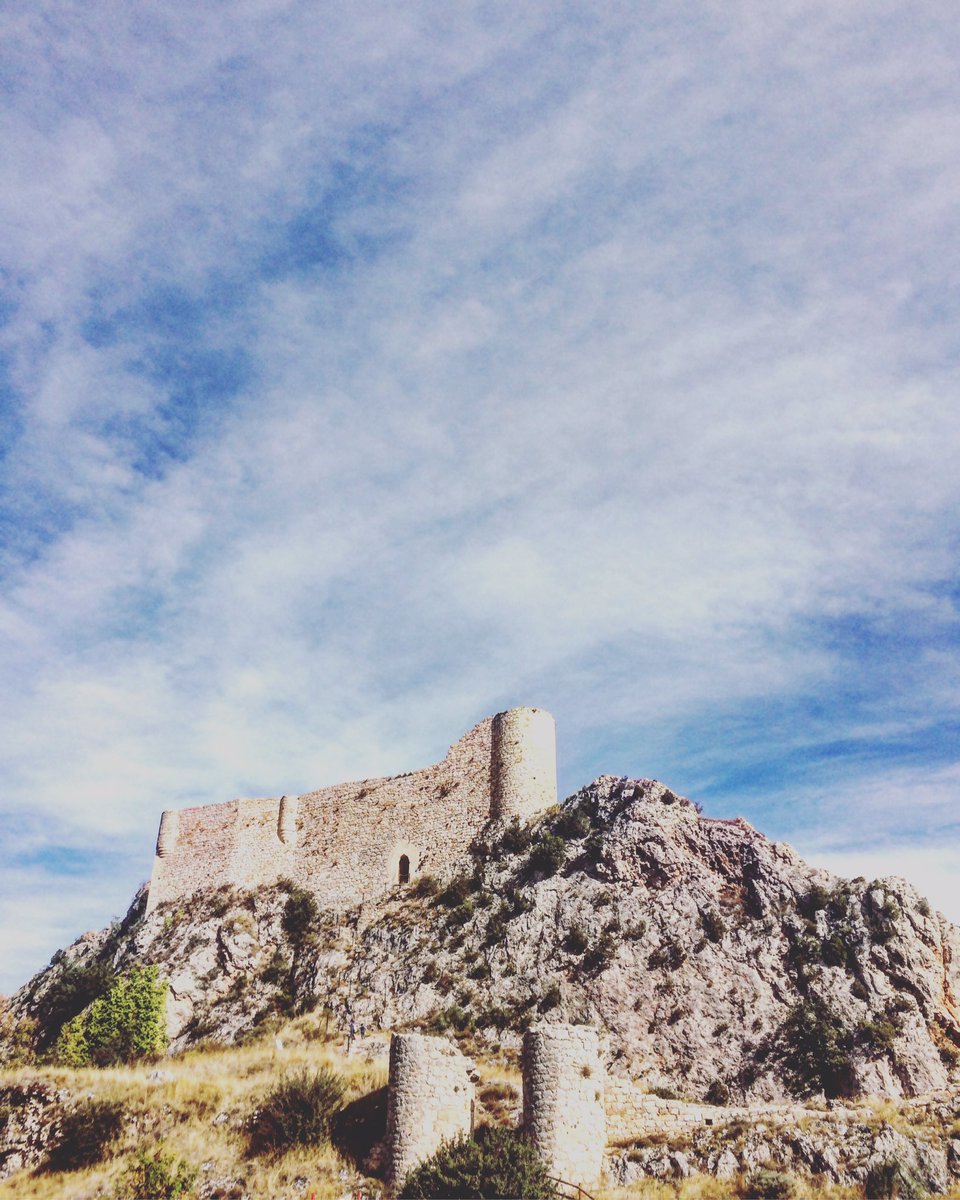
(365, 372)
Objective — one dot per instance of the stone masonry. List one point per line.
(572, 1112)
(354, 841)
(430, 1100)
(563, 1112)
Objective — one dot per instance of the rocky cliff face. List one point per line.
(719, 963)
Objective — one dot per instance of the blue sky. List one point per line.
(366, 369)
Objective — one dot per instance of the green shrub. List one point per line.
(923, 907)
(717, 1092)
(276, 971)
(814, 901)
(768, 1185)
(299, 1111)
(301, 915)
(713, 925)
(461, 914)
(600, 955)
(426, 886)
(496, 927)
(456, 891)
(125, 1024)
(577, 939)
(69, 994)
(550, 998)
(891, 1179)
(664, 1093)
(156, 1176)
(817, 1049)
(516, 838)
(833, 950)
(548, 855)
(572, 823)
(86, 1134)
(521, 902)
(495, 1162)
(879, 1035)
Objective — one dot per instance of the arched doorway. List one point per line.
(404, 869)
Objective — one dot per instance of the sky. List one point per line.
(367, 369)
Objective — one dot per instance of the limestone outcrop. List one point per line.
(719, 963)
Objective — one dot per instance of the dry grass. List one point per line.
(196, 1104)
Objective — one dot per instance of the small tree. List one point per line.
(124, 1024)
(495, 1162)
(298, 1112)
(156, 1176)
(548, 855)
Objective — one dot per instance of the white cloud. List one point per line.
(597, 360)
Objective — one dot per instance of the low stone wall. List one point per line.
(632, 1114)
(430, 1100)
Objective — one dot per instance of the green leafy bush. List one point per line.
(814, 901)
(426, 886)
(768, 1185)
(516, 838)
(461, 914)
(572, 823)
(713, 925)
(125, 1024)
(301, 915)
(890, 1180)
(156, 1176)
(299, 1111)
(456, 891)
(601, 954)
(495, 1162)
(817, 1049)
(548, 855)
(86, 1134)
(717, 1092)
(69, 994)
(577, 939)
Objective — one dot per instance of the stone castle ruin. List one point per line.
(356, 841)
(576, 1114)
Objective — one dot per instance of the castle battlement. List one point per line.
(356, 841)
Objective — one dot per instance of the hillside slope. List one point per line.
(719, 963)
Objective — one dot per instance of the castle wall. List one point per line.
(563, 1109)
(343, 842)
(430, 1099)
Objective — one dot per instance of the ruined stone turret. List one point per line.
(563, 1111)
(524, 763)
(430, 1100)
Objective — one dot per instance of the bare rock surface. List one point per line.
(717, 962)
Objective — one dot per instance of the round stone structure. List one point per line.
(430, 1099)
(524, 763)
(563, 1110)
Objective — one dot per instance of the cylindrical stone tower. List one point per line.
(287, 822)
(524, 763)
(169, 831)
(563, 1110)
(429, 1100)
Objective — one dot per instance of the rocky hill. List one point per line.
(720, 964)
